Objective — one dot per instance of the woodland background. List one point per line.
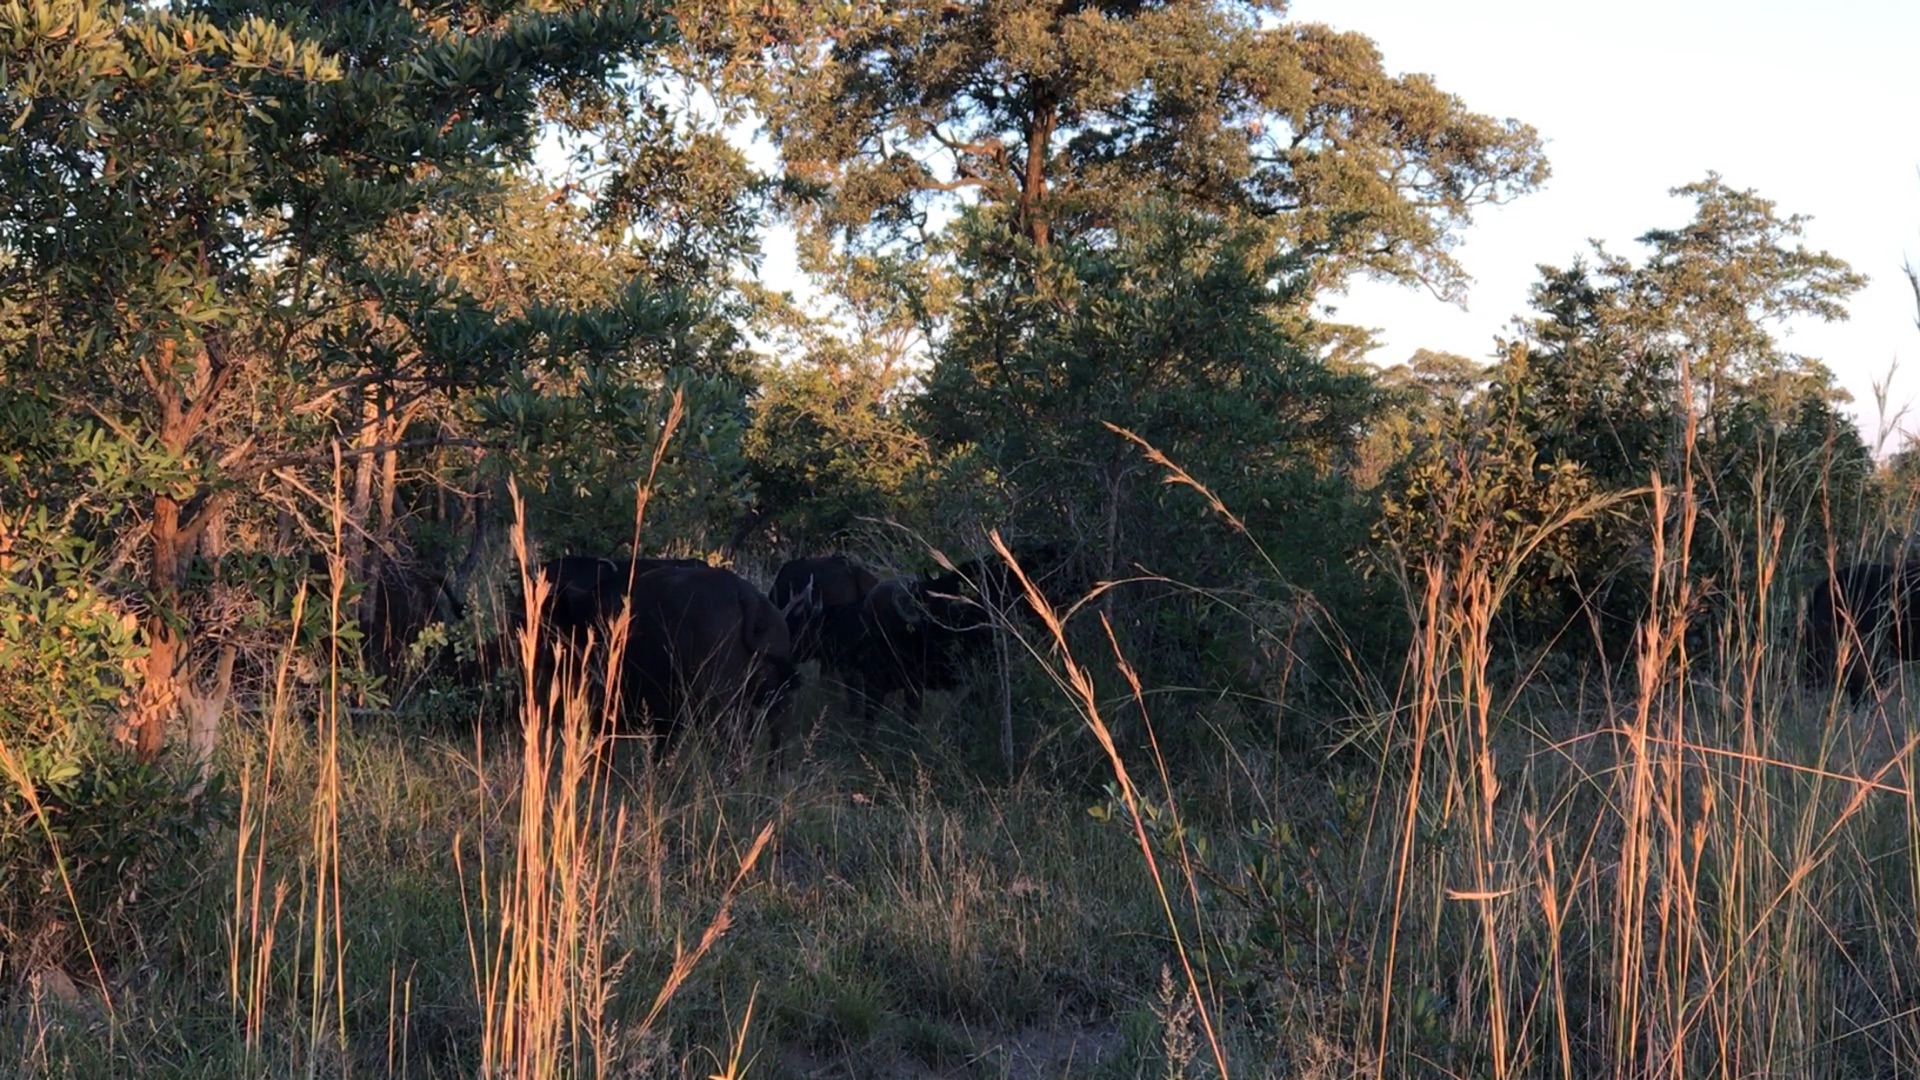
(1442, 719)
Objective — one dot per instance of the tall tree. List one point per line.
(829, 446)
(1421, 399)
(1181, 331)
(1612, 341)
(1713, 291)
(1056, 116)
(1604, 374)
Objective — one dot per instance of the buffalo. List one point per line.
(1861, 622)
(806, 590)
(698, 639)
(701, 640)
(920, 633)
(585, 593)
(906, 634)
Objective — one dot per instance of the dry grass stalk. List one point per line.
(1086, 698)
(541, 971)
(252, 932)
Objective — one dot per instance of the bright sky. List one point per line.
(1815, 106)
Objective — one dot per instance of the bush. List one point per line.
(92, 842)
(96, 847)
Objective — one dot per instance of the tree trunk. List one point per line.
(363, 559)
(392, 432)
(1116, 479)
(160, 686)
(476, 547)
(1032, 217)
(749, 523)
(185, 405)
(203, 708)
(389, 483)
(203, 715)
(1002, 659)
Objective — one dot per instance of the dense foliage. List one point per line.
(302, 305)
(1672, 367)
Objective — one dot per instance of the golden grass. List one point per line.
(1088, 700)
(1683, 874)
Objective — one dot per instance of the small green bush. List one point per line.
(93, 843)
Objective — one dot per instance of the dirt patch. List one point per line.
(1052, 1053)
(1031, 1054)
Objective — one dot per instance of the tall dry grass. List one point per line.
(1086, 697)
(538, 929)
(542, 874)
(1681, 872)
(1660, 894)
(278, 882)
(541, 931)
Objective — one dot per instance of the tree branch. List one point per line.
(274, 464)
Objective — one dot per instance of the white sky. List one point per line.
(1814, 105)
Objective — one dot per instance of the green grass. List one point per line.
(894, 919)
(918, 913)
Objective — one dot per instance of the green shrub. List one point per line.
(92, 842)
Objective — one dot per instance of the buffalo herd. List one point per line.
(701, 643)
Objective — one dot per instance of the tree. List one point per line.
(829, 446)
(188, 196)
(1421, 402)
(1057, 118)
(1711, 292)
(1672, 366)
(1616, 346)
(1588, 387)
(1179, 330)
(579, 428)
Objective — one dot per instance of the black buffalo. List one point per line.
(585, 593)
(920, 633)
(806, 591)
(702, 642)
(909, 634)
(1861, 622)
(699, 640)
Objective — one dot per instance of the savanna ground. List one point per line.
(1691, 867)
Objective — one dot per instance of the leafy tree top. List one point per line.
(161, 157)
(1056, 116)
(1710, 297)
